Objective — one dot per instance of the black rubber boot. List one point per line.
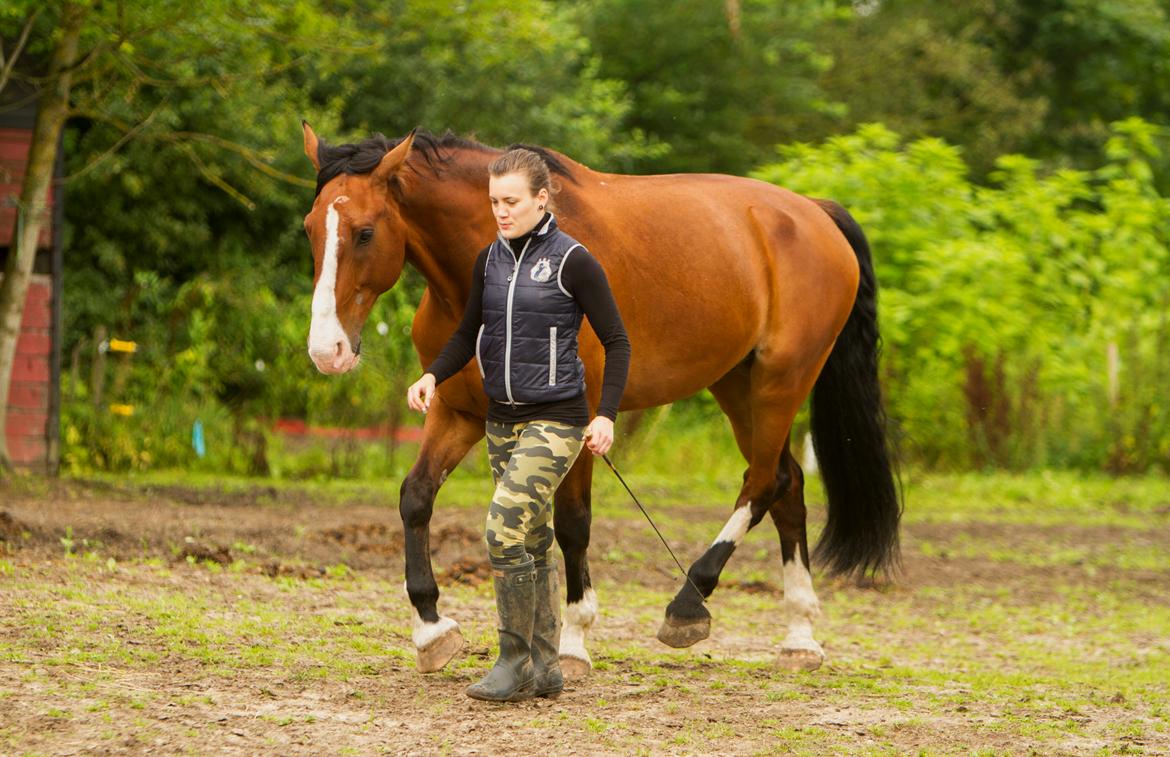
(546, 634)
(511, 678)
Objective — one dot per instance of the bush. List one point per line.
(1000, 305)
(226, 352)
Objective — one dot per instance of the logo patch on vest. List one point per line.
(542, 271)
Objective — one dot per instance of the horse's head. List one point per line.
(358, 240)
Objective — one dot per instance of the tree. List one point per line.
(503, 71)
(1045, 78)
(1095, 61)
(718, 84)
(945, 69)
(52, 111)
(145, 90)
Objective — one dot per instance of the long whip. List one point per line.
(651, 520)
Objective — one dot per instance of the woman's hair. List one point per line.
(526, 163)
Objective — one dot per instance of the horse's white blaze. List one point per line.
(736, 526)
(803, 606)
(579, 617)
(325, 331)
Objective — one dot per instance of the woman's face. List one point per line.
(517, 210)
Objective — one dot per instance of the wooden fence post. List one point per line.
(98, 376)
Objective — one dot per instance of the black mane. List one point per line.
(363, 157)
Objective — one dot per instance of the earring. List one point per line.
(540, 207)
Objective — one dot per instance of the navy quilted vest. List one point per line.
(527, 345)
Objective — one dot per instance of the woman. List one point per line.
(530, 288)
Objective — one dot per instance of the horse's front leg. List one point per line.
(571, 520)
(447, 436)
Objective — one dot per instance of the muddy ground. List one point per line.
(723, 696)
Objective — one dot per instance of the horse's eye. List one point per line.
(365, 235)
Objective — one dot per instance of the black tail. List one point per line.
(849, 435)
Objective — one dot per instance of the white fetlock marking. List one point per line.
(803, 606)
(425, 633)
(798, 589)
(737, 525)
(800, 637)
(579, 618)
(809, 461)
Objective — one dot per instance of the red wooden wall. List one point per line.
(32, 394)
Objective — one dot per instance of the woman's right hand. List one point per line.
(419, 395)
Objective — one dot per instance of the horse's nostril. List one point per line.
(337, 348)
(357, 347)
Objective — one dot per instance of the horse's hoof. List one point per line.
(800, 659)
(574, 668)
(439, 652)
(680, 632)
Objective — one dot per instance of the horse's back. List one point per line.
(707, 269)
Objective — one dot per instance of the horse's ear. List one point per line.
(311, 144)
(394, 159)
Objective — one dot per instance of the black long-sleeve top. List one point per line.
(584, 279)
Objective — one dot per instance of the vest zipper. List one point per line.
(552, 355)
(508, 325)
(478, 355)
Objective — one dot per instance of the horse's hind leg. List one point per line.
(761, 406)
(571, 521)
(799, 651)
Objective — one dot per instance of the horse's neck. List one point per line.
(447, 231)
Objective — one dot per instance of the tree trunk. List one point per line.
(52, 110)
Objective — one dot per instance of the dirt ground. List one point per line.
(723, 696)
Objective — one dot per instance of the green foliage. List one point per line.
(1006, 280)
(1045, 78)
(719, 83)
(230, 354)
(1095, 61)
(999, 304)
(504, 70)
(949, 80)
(179, 156)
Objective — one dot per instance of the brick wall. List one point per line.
(28, 396)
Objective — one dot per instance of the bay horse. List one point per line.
(756, 293)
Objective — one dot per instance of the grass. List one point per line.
(1063, 649)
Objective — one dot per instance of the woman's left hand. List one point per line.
(599, 435)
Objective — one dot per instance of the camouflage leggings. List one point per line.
(528, 462)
